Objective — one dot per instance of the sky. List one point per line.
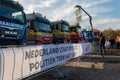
(105, 13)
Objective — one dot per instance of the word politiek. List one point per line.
(48, 62)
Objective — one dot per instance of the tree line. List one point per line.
(108, 33)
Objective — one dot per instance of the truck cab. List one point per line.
(60, 30)
(76, 33)
(96, 34)
(88, 35)
(38, 29)
(12, 23)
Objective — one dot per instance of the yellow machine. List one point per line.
(76, 33)
(38, 30)
(61, 32)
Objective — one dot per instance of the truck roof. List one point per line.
(73, 25)
(96, 30)
(11, 3)
(60, 21)
(38, 17)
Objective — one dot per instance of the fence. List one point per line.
(21, 62)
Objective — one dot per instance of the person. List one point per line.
(102, 45)
(117, 42)
(112, 42)
(107, 44)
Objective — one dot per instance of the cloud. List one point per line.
(91, 3)
(62, 13)
(64, 9)
(35, 5)
(107, 23)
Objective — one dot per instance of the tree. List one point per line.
(108, 33)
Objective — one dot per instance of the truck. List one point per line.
(38, 29)
(96, 34)
(12, 23)
(60, 30)
(76, 33)
(88, 33)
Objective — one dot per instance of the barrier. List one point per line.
(18, 63)
(21, 62)
(1, 65)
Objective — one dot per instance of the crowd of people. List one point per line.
(108, 43)
(112, 42)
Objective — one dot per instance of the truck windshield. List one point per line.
(96, 33)
(89, 32)
(43, 27)
(79, 29)
(66, 28)
(11, 15)
(73, 29)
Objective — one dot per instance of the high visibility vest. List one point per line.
(118, 39)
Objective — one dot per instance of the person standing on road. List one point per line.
(102, 44)
(112, 42)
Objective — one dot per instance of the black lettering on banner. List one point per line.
(60, 58)
(35, 65)
(42, 64)
(45, 51)
(49, 61)
(27, 55)
(33, 53)
(68, 56)
(75, 47)
(31, 66)
(64, 49)
(71, 48)
(37, 53)
(53, 50)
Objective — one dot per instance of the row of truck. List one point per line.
(18, 28)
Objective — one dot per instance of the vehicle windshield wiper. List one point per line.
(17, 21)
(66, 30)
(3, 18)
(49, 31)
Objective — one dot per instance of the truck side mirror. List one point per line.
(28, 23)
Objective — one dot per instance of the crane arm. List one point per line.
(90, 17)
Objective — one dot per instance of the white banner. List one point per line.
(8, 64)
(1, 65)
(18, 63)
(86, 48)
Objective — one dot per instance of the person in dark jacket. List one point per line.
(112, 42)
(102, 44)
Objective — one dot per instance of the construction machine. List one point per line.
(88, 33)
(76, 33)
(12, 23)
(38, 30)
(60, 30)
